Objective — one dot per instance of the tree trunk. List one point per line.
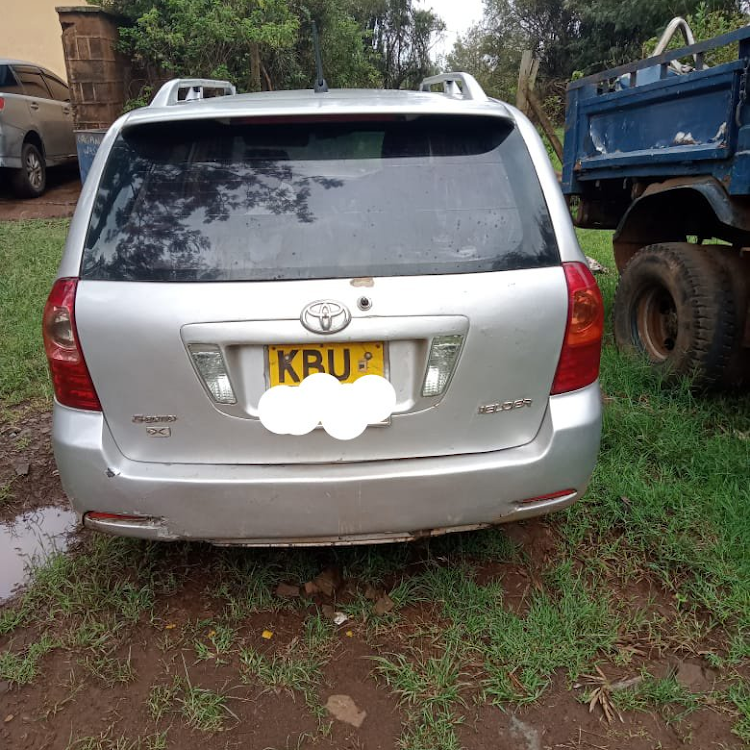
(255, 66)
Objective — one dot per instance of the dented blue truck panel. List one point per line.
(662, 125)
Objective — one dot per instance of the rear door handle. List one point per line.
(33, 105)
(66, 110)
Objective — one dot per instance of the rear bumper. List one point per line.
(328, 503)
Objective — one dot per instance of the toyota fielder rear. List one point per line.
(320, 318)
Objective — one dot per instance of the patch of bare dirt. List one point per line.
(28, 472)
(561, 722)
(58, 202)
(69, 702)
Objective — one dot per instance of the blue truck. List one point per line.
(659, 151)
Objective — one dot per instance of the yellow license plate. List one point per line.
(290, 364)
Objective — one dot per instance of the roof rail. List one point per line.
(461, 85)
(169, 94)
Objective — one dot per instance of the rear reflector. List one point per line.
(212, 369)
(551, 496)
(93, 516)
(443, 355)
(578, 365)
(70, 376)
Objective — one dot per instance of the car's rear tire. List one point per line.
(31, 180)
(676, 306)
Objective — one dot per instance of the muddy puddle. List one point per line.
(29, 540)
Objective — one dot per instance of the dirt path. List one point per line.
(147, 689)
(59, 201)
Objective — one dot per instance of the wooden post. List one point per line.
(255, 66)
(544, 121)
(526, 80)
(528, 102)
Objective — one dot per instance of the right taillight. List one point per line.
(70, 376)
(2, 104)
(581, 351)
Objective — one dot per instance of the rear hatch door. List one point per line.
(429, 234)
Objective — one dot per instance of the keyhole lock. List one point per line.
(364, 303)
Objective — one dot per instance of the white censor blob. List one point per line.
(343, 409)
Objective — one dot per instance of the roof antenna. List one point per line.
(320, 83)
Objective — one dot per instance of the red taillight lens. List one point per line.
(551, 496)
(2, 104)
(579, 359)
(70, 376)
(96, 516)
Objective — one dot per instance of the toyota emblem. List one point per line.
(325, 316)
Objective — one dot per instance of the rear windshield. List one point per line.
(250, 201)
(8, 82)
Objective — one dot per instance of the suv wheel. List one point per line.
(675, 306)
(31, 179)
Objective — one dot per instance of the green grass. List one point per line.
(204, 709)
(23, 667)
(297, 668)
(664, 694)
(666, 511)
(106, 741)
(29, 254)
(430, 689)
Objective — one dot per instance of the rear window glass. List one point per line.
(58, 89)
(303, 200)
(33, 83)
(8, 82)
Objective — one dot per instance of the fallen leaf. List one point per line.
(384, 605)
(372, 593)
(328, 611)
(693, 677)
(8, 718)
(349, 634)
(267, 634)
(22, 468)
(287, 591)
(328, 581)
(211, 633)
(343, 708)
(170, 626)
(311, 589)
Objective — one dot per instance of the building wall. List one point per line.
(30, 30)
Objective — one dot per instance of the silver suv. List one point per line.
(36, 125)
(322, 318)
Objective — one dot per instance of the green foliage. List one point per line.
(572, 38)
(29, 254)
(203, 38)
(706, 24)
(267, 44)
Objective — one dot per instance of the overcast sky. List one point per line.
(458, 16)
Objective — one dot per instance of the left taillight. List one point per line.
(2, 104)
(70, 376)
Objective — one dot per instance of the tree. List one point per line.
(268, 43)
(402, 37)
(573, 35)
(612, 32)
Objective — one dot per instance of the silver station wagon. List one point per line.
(36, 125)
(331, 317)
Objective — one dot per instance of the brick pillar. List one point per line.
(97, 73)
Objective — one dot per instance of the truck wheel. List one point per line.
(675, 306)
(736, 267)
(31, 179)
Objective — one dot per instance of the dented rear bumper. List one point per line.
(308, 504)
